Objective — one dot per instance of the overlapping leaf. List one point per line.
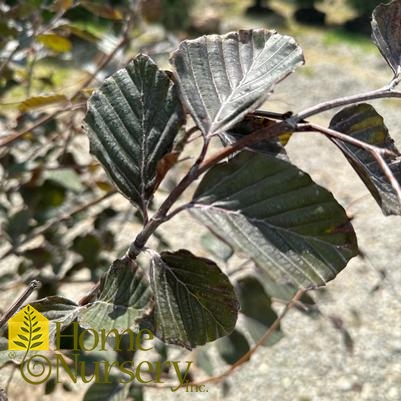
(386, 33)
(57, 309)
(250, 124)
(124, 299)
(273, 212)
(131, 122)
(222, 78)
(364, 123)
(195, 301)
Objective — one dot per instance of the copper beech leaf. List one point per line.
(363, 122)
(386, 32)
(131, 122)
(194, 300)
(124, 298)
(254, 122)
(224, 77)
(275, 214)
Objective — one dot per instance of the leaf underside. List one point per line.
(362, 122)
(222, 78)
(194, 301)
(131, 122)
(386, 33)
(273, 212)
(124, 299)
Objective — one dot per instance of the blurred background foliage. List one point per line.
(61, 221)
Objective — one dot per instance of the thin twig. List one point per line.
(385, 92)
(33, 285)
(7, 139)
(344, 138)
(376, 152)
(388, 173)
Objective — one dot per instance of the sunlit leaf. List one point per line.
(132, 121)
(362, 122)
(386, 32)
(66, 177)
(54, 42)
(124, 298)
(195, 301)
(273, 212)
(222, 78)
(35, 102)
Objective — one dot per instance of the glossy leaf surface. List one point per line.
(273, 212)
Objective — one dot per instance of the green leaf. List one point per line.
(89, 247)
(232, 347)
(269, 209)
(222, 78)
(34, 345)
(362, 122)
(131, 122)
(195, 301)
(66, 177)
(256, 308)
(54, 42)
(23, 337)
(124, 298)
(50, 386)
(17, 224)
(386, 33)
(36, 102)
(113, 391)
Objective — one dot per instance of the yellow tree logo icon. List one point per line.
(28, 330)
